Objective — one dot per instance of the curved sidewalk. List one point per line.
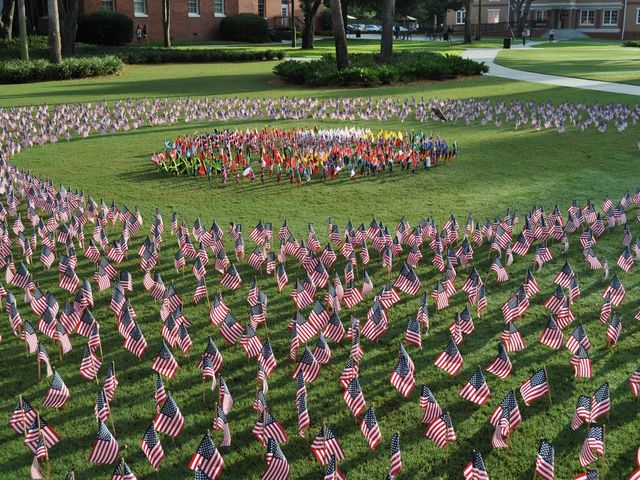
(488, 55)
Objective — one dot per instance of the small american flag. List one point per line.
(593, 445)
(441, 431)
(370, 428)
(545, 461)
(151, 447)
(395, 456)
(476, 389)
(475, 469)
(450, 360)
(207, 459)
(535, 387)
(277, 464)
(169, 419)
(105, 448)
(58, 393)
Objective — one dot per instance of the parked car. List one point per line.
(373, 28)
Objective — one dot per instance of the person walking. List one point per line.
(139, 35)
(552, 34)
(145, 35)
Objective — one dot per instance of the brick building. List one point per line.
(615, 19)
(195, 19)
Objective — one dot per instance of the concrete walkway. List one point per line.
(488, 55)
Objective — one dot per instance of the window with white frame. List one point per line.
(261, 8)
(218, 8)
(637, 16)
(493, 15)
(460, 16)
(540, 16)
(610, 17)
(284, 8)
(587, 17)
(140, 8)
(108, 5)
(193, 8)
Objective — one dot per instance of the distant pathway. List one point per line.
(488, 55)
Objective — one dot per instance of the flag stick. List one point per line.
(548, 386)
(204, 401)
(60, 351)
(39, 372)
(24, 420)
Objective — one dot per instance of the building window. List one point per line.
(587, 17)
(637, 16)
(261, 10)
(493, 16)
(610, 17)
(460, 17)
(218, 8)
(540, 17)
(140, 8)
(108, 5)
(193, 8)
(284, 8)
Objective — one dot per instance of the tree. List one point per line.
(467, 21)
(166, 22)
(309, 9)
(386, 41)
(521, 9)
(339, 36)
(22, 22)
(68, 25)
(55, 48)
(6, 19)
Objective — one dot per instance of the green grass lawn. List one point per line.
(497, 168)
(611, 64)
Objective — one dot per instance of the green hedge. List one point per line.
(368, 70)
(136, 55)
(17, 71)
(38, 47)
(105, 28)
(244, 27)
(631, 43)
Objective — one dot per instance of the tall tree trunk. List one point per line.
(22, 22)
(339, 36)
(344, 4)
(522, 14)
(294, 34)
(6, 19)
(309, 8)
(55, 48)
(166, 22)
(386, 40)
(467, 21)
(479, 24)
(68, 25)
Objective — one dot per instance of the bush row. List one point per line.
(105, 28)
(38, 46)
(133, 55)
(368, 70)
(632, 43)
(17, 71)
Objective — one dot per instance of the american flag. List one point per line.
(219, 310)
(450, 360)
(354, 397)
(250, 342)
(326, 445)
(169, 419)
(231, 279)
(440, 430)
(592, 475)
(308, 366)
(221, 423)
(224, 396)
(231, 329)
(135, 341)
(577, 338)
(377, 321)
(266, 358)
(429, 404)
(333, 472)
(476, 389)
(501, 365)
(509, 404)
(475, 469)
(101, 408)
(582, 412)
(151, 447)
(110, 382)
(277, 464)
(552, 336)
(281, 277)
(512, 338)
(207, 459)
(634, 383)
(500, 271)
(613, 330)
(370, 428)
(29, 336)
(412, 334)
(121, 472)
(58, 393)
(402, 377)
(581, 363)
(600, 403)
(90, 365)
(165, 363)
(22, 416)
(593, 445)
(545, 460)
(105, 448)
(321, 351)
(535, 387)
(407, 281)
(395, 457)
(303, 413)
(616, 291)
(564, 276)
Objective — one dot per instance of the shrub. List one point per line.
(368, 69)
(136, 55)
(631, 43)
(325, 20)
(281, 34)
(105, 28)
(17, 71)
(38, 47)
(244, 27)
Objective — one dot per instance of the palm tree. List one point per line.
(55, 47)
(166, 22)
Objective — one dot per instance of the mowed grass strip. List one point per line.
(613, 64)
